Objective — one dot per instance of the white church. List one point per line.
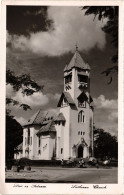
(70, 133)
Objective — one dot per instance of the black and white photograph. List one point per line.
(61, 113)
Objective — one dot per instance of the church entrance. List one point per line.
(80, 151)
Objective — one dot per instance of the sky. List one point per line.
(41, 41)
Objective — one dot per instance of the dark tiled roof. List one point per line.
(78, 62)
(60, 117)
(39, 117)
(68, 98)
(19, 147)
(47, 128)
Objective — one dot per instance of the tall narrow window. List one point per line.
(61, 150)
(39, 152)
(81, 117)
(28, 140)
(38, 141)
(25, 141)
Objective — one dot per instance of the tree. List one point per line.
(105, 144)
(14, 130)
(14, 137)
(111, 28)
(25, 84)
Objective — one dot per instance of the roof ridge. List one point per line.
(37, 115)
(45, 117)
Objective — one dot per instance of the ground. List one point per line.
(64, 175)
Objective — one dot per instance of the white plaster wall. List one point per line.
(33, 149)
(45, 147)
(18, 155)
(75, 127)
(25, 135)
(51, 146)
(60, 141)
(66, 132)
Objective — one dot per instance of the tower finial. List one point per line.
(76, 46)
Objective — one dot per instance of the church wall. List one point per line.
(60, 141)
(25, 135)
(47, 146)
(33, 153)
(33, 148)
(66, 135)
(80, 130)
(51, 146)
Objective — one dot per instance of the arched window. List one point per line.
(81, 117)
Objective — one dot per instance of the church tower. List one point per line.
(76, 106)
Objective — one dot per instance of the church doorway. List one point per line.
(80, 151)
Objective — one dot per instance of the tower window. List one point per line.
(81, 117)
(64, 103)
(83, 78)
(25, 141)
(68, 79)
(78, 132)
(82, 104)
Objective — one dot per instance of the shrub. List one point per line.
(24, 162)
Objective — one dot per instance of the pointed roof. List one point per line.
(78, 62)
(68, 98)
(60, 117)
(39, 117)
(47, 128)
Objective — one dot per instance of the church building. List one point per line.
(70, 133)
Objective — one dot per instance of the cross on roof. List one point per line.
(76, 47)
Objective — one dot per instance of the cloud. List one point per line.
(9, 91)
(106, 114)
(55, 111)
(21, 120)
(101, 102)
(37, 99)
(113, 116)
(70, 26)
(55, 96)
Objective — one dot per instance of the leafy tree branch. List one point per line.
(111, 27)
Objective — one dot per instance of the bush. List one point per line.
(24, 162)
(10, 163)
